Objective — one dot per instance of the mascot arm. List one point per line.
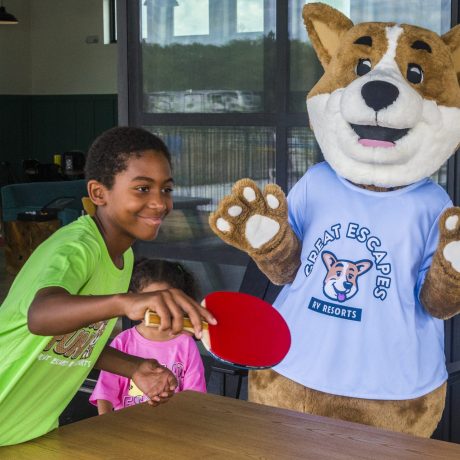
(256, 222)
(440, 293)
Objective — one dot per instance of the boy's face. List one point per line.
(140, 198)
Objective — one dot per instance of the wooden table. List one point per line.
(196, 426)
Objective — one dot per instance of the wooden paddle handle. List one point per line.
(152, 319)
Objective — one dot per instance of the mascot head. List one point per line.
(386, 112)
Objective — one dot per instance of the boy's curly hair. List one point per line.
(147, 271)
(109, 153)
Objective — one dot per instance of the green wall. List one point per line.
(39, 126)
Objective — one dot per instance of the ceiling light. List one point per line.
(5, 17)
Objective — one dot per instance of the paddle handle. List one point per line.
(152, 319)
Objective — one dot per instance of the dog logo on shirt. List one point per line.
(341, 281)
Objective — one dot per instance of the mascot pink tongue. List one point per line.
(366, 245)
(375, 143)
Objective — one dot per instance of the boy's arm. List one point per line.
(54, 311)
(154, 380)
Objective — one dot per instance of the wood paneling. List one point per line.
(40, 126)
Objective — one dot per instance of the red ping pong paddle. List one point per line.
(249, 333)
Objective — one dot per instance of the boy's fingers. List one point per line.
(175, 308)
(207, 315)
(161, 308)
(185, 304)
(196, 312)
(170, 306)
(175, 311)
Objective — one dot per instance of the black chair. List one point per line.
(229, 370)
(41, 172)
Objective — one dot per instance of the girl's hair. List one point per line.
(109, 153)
(147, 271)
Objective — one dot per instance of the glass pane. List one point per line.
(188, 18)
(303, 152)
(430, 14)
(206, 163)
(305, 68)
(441, 176)
(202, 56)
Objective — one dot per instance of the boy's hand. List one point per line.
(155, 381)
(170, 305)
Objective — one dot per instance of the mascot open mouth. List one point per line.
(341, 295)
(378, 136)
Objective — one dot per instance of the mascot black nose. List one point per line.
(379, 94)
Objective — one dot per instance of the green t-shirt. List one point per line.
(39, 375)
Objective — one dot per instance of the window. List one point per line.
(249, 16)
(224, 83)
(191, 17)
(110, 21)
(218, 55)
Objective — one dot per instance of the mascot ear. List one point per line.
(325, 25)
(452, 40)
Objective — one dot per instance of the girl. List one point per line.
(178, 353)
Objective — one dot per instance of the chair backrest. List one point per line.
(31, 196)
(257, 284)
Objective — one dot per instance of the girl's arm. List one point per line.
(104, 407)
(194, 377)
(54, 311)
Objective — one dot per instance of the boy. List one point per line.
(62, 306)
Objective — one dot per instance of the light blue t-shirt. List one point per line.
(358, 328)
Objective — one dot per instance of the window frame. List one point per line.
(130, 93)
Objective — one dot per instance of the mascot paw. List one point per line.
(450, 237)
(249, 219)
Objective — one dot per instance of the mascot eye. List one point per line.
(414, 73)
(364, 66)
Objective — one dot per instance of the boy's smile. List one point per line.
(137, 203)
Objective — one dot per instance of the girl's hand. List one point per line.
(170, 305)
(155, 381)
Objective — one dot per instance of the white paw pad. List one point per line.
(451, 223)
(223, 225)
(249, 194)
(260, 230)
(235, 211)
(272, 201)
(451, 253)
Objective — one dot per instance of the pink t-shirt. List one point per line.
(180, 355)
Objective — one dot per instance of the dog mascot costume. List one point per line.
(367, 246)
